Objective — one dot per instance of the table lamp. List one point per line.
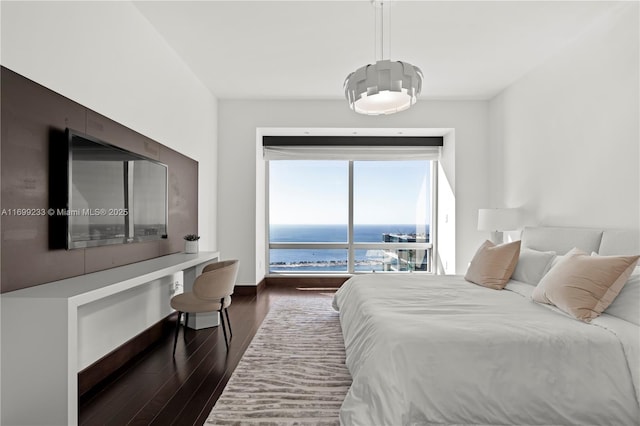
(498, 220)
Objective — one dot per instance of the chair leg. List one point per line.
(226, 311)
(175, 337)
(224, 329)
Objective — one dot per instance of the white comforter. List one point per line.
(440, 350)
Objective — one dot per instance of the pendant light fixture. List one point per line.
(385, 87)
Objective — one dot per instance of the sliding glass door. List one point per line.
(349, 216)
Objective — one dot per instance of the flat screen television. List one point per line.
(112, 196)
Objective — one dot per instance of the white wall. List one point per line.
(107, 57)
(446, 212)
(238, 223)
(565, 138)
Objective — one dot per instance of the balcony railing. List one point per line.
(354, 258)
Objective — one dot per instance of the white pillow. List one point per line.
(626, 305)
(532, 265)
(557, 259)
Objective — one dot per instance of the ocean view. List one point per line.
(330, 260)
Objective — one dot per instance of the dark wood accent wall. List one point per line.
(32, 120)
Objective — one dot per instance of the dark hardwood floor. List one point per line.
(156, 389)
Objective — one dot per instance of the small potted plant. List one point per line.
(191, 243)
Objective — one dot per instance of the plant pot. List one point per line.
(190, 246)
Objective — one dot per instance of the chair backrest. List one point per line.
(217, 280)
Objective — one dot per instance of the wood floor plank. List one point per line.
(172, 398)
(156, 389)
(159, 388)
(198, 391)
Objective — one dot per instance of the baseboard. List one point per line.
(119, 357)
(289, 282)
(249, 290)
(306, 282)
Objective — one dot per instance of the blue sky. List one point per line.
(316, 192)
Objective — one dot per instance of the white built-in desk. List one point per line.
(44, 329)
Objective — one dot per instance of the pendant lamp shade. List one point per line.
(385, 87)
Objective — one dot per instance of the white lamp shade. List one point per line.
(498, 219)
(385, 87)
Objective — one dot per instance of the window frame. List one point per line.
(350, 245)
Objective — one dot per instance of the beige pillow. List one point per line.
(584, 286)
(492, 265)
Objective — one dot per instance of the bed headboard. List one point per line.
(602, 241)
(621, 242)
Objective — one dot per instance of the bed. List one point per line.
(441, 350)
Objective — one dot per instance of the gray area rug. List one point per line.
(293, 372)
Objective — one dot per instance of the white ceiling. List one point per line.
(305, 49)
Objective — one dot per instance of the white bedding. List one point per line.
(440, 350)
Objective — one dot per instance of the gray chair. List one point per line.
(212, 291)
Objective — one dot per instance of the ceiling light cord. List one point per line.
(381, 30)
